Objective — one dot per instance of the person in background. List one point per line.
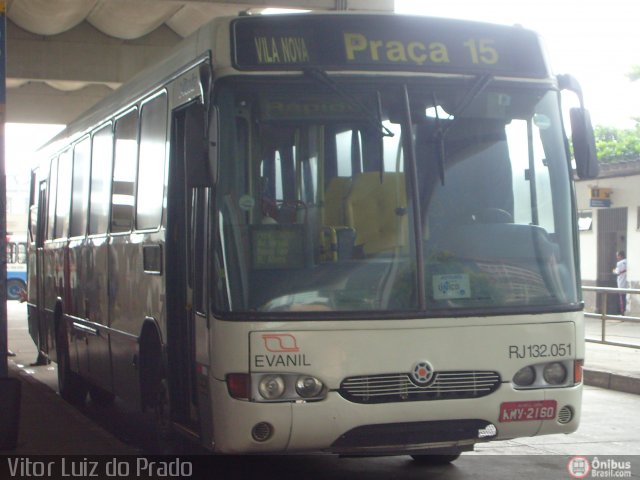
(621, 272)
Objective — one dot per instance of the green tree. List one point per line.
(616, 144)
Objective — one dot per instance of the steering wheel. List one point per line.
(493, 215)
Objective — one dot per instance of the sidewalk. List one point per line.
(48, 424)
(51, 426)
(615, 368)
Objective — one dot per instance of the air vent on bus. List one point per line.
(398, 387)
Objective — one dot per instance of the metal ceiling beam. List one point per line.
(86, 59)
(371, 5)
(83, 54)
(78, 63)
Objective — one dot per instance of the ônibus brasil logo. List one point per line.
(579, 467)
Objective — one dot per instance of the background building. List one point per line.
(609, 218)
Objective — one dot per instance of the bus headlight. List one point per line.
(271, 387)
(286, 387)
(308, 387)
(525, 377)
(547, 375)
(554, 373)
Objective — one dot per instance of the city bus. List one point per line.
(342, 233)
(16, 266)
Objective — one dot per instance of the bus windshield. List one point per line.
(389, 197)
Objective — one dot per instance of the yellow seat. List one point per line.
(334, 220)
(376, 207)
(334, 198)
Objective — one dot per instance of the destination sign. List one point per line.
(383, 42)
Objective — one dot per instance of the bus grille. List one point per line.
(399, 387)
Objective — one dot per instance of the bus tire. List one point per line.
(154, 384)
(101, 397)
(70, 385)
(427, 459)
(14, 288)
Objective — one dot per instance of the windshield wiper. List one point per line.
(374, 119)
(476, 89)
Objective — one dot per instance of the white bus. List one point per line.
(344, 233)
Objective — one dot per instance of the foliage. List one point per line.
(617, 145)
(634, 74)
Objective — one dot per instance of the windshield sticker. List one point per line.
(541, 121)
(246, 202)
(451, 286)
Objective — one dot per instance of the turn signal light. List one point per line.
(577, 371)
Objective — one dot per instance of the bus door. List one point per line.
(187, 320)
(37, 324)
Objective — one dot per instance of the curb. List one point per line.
(37, 437)
(612, 381)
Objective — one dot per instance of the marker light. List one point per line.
(554, 373)
(577, 371)
(525, 377)
(308, 387)
(238, 385)
(271, 387)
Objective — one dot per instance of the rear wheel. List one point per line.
(101, 397)
(154, 384)
(70, 385)
(14, 288)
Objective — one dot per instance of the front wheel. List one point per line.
(70, 385)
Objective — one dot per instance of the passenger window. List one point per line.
(80, 187)
(100, 180)
(153, 140)
(124, 172)
(63, 202)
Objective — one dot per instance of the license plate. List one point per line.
(528, 411)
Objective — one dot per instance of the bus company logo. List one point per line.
(422, 373)
(280, 343)
(579, 467)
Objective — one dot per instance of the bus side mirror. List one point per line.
(584, 144)
(582, 137)
(196, 151)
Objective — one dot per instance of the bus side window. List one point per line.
(21, 253)
(153, 139)
(63, 199)
(80, 187)
(101, 167)
(10, 252)
(124, 172)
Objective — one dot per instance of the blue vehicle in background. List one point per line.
(16, 266)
